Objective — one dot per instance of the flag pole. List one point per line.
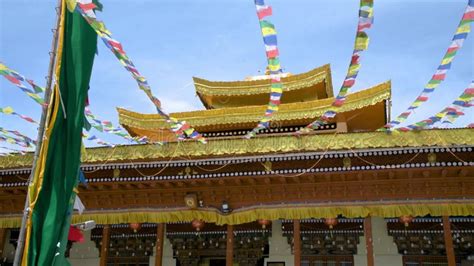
(39, 139)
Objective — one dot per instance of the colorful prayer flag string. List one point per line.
(20, 139)
(97, 140)
(18, 80)
(9, 111)
(103, 126)
(86, 9)
(22, 152)
(456, 44)
(448, 114)
(276, 88)
(366, 18)
(108, 127)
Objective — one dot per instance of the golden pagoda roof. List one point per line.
(240, 118)
(308, 86)
(283, 143)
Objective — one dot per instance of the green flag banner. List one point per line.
(56, 175)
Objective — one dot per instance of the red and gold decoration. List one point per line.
(331, 222)
(198, 224)
(406, 220)
(135, 227)
(264, 223)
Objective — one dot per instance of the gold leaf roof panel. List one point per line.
(311, 85)
(222, 118)
(262, 145)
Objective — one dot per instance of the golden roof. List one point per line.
(371, 100)
(283, 143)
(312, 85)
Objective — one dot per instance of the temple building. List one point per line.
(344, 194)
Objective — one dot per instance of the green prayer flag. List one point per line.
(52, 192)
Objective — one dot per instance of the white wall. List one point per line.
(8, 249)
(280, 250)
(85, 253)
(385, 250)
(167, 254)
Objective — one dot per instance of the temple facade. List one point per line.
(344, 194)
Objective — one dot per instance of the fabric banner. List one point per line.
(85, 8)
(448, 114)
(456, 44)
(366, 18)
(18, 80)
(51, 192)
(273, 68)
(9, 111)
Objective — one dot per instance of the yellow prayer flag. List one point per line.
(268, 31)
(447, 60)
(273, 108)
(8, 110)
(274, 67)
(431, 86)
(278, 90)
(362, 43)
(353, 69)
(464, 29)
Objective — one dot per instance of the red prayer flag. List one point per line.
(13, 79)
(87, 7)
(264, 12)
(348, 82)
(439, 76)
(468, 15)
(272, 53)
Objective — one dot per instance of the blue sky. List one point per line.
(170, 41)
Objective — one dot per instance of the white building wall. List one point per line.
(168, 259)
(280, 250)
(8, 249)
(85, 253)
(385, 250)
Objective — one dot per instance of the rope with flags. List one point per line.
(103, 126)
(457, 42)
(276, 88)
(447, 115)
(366, 19)
(96, 139)
(86, 9)
(18, 80)
(20, 139)
(9, 111)
(108, 127)
(22, 152)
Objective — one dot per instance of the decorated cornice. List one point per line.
(265, 145)
(270, 212)
(255, 87)
(143, 179)
(252, 114)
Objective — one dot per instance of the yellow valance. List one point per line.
(433, 208)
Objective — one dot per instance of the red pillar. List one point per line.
(229, 254)
(448, 241)
(297, 242)
(3, 238)
(160, 239)
(104, 249)
(369, 241)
